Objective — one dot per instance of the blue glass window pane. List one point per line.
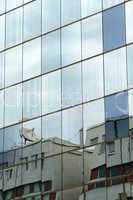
(114, 27)
(116, 110)
(12, 137)
(116, 106)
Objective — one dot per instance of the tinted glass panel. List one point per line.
(92, 36)
(32, 58)
(50, 15)
(2, 6)
(2, 142)
(129, 16)
(51, 90)
(71, 85)
(2, 70)
(114, 36)
(13, 65)
(51, 51)
(13, 104)
(116, 108)
(12, 138)
(71, 44)
(130, 65)
(31, 98)
(70, 11)
(13, 4)
(93, 120)
(54, 131)
(32, 19)
(110, 3)
(72, 124)
(14, 27)
(115, 71)
(32, 129)
(1, 108)
(90, 7)
(93, 78)
(2, 32)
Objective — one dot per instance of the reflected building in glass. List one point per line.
(66, 100)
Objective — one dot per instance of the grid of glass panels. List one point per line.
(66, 88)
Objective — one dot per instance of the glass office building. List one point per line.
(66, 99)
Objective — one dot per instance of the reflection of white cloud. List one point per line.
(13, 65)
(32, 58)
(32, 19)
(52, 91)
(71, 44)
(93, 78)
(92, 36)
(115, 66)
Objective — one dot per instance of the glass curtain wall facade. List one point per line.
(66, 99)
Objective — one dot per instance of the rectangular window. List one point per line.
(102, 171)
(129, 16)
(130, 65)
(13, 105)
(71, 44)
(32, 20)
(13, 4)
(32, 59)
(50, 15)
(71, 85)
(14, 27)
(94, 173)
(31, 98)
(51, 91)
(102, 148)
(71, 125)
(2, 6)
(12, 138)
(94, 141)
(110, 3)
(115, 71)
(2, 69)
(90, 7)
(111, 147)
(70, 11)
(13, 66)
(92, 36)
(114, 36)
(51, 59)
(47, 186)
(1, 108)
(2, 32)
(31, 131)
(53, 131)
(93, 78)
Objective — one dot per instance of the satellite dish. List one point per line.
(29, 135)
